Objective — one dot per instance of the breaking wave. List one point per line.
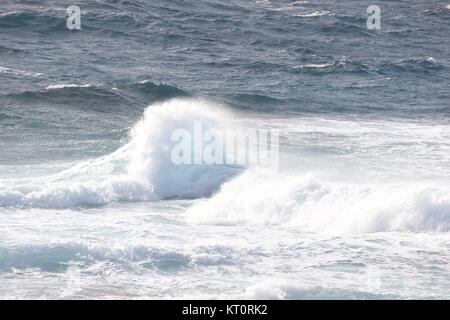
(141, 170)
(311, 205)
(101, 94)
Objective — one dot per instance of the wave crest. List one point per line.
(142, 170)
(304, 203)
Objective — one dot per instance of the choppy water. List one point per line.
(91, 206)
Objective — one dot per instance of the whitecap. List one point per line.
(69, 85)
(314, 14)
(141, 170)
(312, 205)
(18, 72)
(314, 66)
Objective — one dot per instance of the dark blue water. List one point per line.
(264, 56)
(248, 53)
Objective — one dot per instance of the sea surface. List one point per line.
(91, 207)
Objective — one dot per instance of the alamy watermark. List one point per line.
(374, 17)
(74, 18)
(241, 147)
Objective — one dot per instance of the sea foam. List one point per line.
(142, 170)
(308, 204)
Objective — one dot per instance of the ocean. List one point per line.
(92, 207)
